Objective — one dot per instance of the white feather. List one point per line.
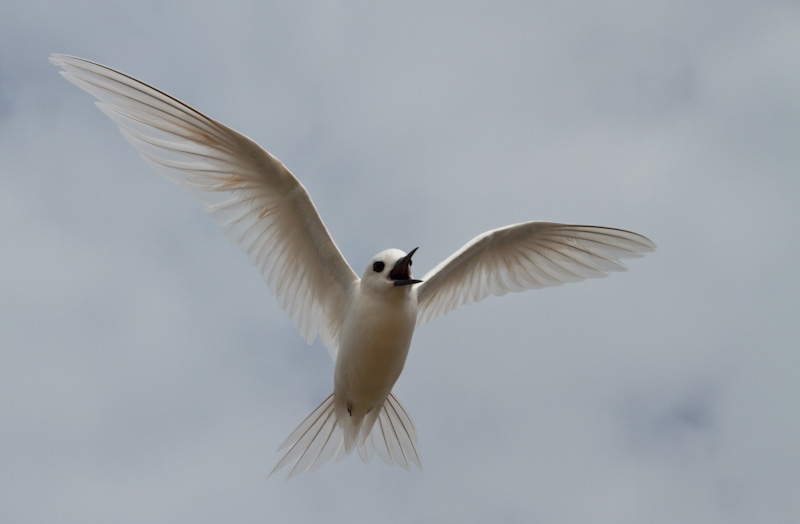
(524, 256)
(319, 439)
(259, 203)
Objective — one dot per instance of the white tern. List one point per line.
(366, 323)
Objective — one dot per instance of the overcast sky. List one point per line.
(147, 375)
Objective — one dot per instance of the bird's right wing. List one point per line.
(260, 204)
(525, 256)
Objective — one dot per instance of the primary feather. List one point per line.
(259, 203)
(525, 256)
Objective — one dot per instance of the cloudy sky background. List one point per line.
(148, 376)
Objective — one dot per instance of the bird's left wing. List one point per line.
(525, 256)
(260, 204)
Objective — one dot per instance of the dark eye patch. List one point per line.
(378, 267)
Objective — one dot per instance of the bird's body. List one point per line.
(379, 321)
(376, 336)
(373, 347)
(366, 323)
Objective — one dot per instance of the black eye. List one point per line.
(378, 266)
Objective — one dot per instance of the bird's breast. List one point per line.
(373, 347)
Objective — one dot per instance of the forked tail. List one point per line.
(319, 438)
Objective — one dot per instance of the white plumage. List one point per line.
(368, 321)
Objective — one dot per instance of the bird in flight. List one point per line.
(366, 323)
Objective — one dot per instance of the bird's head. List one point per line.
(391, 267)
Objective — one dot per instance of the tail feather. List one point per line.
(394, 437)
(403, 418)
(404, 432)
(314, 442)
(320, 438)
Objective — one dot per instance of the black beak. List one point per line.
(401, 272)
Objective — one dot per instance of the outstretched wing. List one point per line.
(260, 204)
(525, 256)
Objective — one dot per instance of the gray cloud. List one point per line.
(148, 375)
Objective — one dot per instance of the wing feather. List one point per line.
(259, 203)
(525, 256)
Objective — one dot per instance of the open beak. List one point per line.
(401, 272)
